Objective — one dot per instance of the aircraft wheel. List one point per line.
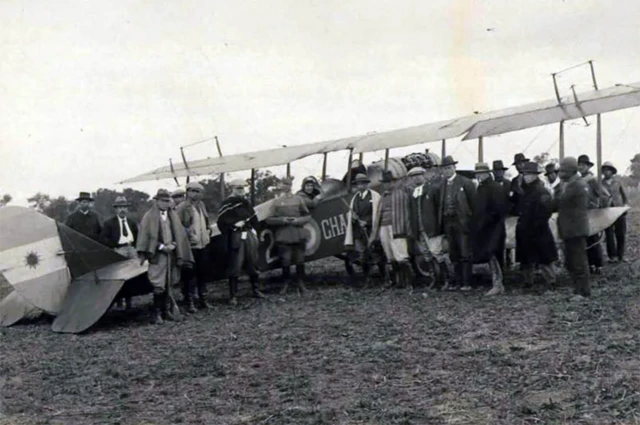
(422, 267)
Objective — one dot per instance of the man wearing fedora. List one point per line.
(498, 171)
(516, 191)
(83, 219)
(363, 212)
(392, 227)
(454, 203)
(572, 204)
(194, 217)
(120, 233)
(162, 240)
(551, 174)
(290, 214)
(616, 234)
(535, 244)
(598, 198)
(488, 223)
(237, 222)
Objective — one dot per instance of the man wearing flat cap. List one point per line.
(83, 219)
(178, 196)
(363, 212)
(572, 205)
(290, 214)
(162, 240)
(194, 217)
(535, 244)
(454, 204)
(424, 221)
(616, 234)
(237, 222)
(487, 224)
(598, 198)
(119, 233)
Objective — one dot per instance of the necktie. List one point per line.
(124, 228)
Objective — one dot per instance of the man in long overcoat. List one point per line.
(237, 221)
(499, 171)
(616, 234)
(84, 219)
(162, 240)
(195, 218)
(454, 201)
(573, 224)
(516, 192)
(290, 214)
(535, 244)
(424, 221)
(487, 224)
(598, 198)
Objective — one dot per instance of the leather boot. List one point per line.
(158, 306)
(233, 290)
(384, 272)
(286, 277)
(395, 271)
(300, 277)
(366, 272)
(188, 296)
(496, 278)
(202, 297)
(467, 271)
(409, 279)
(167, 307)
(255, 286)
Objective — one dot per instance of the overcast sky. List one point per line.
(93, 92)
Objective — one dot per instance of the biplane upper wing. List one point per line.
(549, 112)
(471, 127)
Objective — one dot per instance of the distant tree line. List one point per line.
(60, 207)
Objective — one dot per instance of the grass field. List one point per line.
(342, 356)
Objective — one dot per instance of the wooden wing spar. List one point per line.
(471, 127)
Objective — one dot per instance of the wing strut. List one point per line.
(221, 174)
(184, 159)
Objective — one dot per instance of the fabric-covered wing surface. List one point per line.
(471, 126)
(31, 258)
(90, 295)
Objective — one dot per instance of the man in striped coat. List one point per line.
(393, 228)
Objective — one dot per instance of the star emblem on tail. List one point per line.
(32, 260)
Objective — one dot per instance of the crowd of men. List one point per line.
(432, 211)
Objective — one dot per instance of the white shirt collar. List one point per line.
(450, 179)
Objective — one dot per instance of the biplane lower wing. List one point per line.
(599, 220)
(90, 295)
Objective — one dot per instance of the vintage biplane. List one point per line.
(51, 268)
(329, 224)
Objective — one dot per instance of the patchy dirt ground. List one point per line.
(342, 356)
